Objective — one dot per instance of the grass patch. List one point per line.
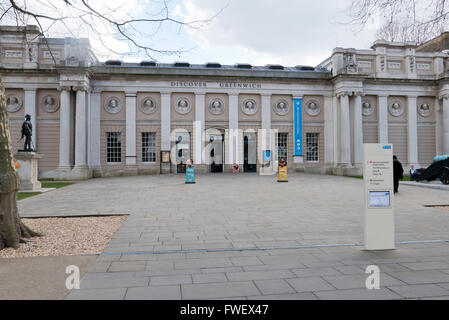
(56, 185)
(24, 195)
(45, 184)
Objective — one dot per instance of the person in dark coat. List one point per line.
(398, 173)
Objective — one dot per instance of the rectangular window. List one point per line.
(113, 147)
(312, 147)
(148, 147)
(281, 145)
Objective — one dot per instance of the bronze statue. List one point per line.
(27, 132)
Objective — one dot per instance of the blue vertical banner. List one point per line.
(298, 127)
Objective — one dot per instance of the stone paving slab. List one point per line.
(219, 290)
(253, 238)
(39, 277)
(420, 291)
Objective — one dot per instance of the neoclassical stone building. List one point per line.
(93, 118)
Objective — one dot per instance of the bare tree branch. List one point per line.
(49, 15)
(403, 20)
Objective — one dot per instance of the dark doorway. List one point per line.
(249, 153)
(216, 153)
(182, 151)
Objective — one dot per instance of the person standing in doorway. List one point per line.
(398, 173)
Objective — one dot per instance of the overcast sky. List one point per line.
(287, 32)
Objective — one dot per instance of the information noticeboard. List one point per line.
(378, 196)
(165, 156)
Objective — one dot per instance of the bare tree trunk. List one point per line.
(12, 230)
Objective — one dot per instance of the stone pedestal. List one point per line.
(28, 170)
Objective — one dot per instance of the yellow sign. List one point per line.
(283, 174)
(165, 156)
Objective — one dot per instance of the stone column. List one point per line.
(265, 138)
(328, 134)
(199, 127)
(358, 131)
(93, 158)
(233, 135)
(438, 126)
(383, 119)
(64, 131)
(266, 122)
(166, 128)
(131, 168)
(335, 132)
(412, 131)
(30, 108)
(81, 170)
(445, 124)
(345, 130)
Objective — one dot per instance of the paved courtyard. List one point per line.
(248, 237)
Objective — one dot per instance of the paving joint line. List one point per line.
(317, 246)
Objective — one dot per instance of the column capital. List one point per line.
(80, 88)
(298, 96)
(130, 94)
(444, 96)
(344, 94)
(200, 93)
(64, 88)
(359, 94)
(166, 93)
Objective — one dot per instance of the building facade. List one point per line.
(93, 118)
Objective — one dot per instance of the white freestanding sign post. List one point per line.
(379, 209)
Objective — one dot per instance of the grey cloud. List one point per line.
(285, 30)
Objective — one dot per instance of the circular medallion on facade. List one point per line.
(396, 109)
(216, 106)
(50, 104)
(148, 105)
(424, 110)
(313, 108)
(113, 105)
(13, 103)
(282, 107)
(249, 107)
(183, 106)
(367, 108)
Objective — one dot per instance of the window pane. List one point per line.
(281, 145)
(113, 147)
(148, 147)
(312, 147)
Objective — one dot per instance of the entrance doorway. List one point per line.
(216, 152)
(249, 152)
(182, 151)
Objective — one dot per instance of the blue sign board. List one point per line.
(298, 127)
(190, 175)
(267, 156)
